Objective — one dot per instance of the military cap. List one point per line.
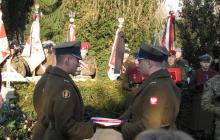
(205, 58)
(72, 48)
(155, 53)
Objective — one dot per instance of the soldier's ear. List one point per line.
(66, 60)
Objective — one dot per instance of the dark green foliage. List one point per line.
(96, 21)
(198, 28)
(15, 17)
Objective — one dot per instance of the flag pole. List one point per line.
(112, 61)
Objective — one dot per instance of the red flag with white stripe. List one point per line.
(4, 47)
(33, 51)
(117, 54)
(169, 38)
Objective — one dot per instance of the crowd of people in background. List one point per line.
(199, 109)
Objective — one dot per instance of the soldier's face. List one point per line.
(143, 67)
(73, 64)
(171, 60)
(205, 65)
(178, 54)
(84, 52)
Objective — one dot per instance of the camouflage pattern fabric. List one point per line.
(211, 101)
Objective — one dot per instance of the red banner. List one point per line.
(117, 54)
(169, 37)
(4, 47)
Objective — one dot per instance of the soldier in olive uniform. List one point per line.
(130, 76)
(156, 103)
(88, 69)
(49, 53)
(211, 101)
(57, 100)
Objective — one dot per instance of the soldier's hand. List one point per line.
(93, 126)
(119, 127)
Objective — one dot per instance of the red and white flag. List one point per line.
(33, 51)
(117, 54)
(169, 38)
(4, 47)
(71, 33)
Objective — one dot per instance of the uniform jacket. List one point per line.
(92, 67)
(156, 105)
(59, 106)
(211, 101)
(211, 96)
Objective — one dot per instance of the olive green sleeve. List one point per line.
(151, 115)
(92, 67)
(64, 109)
(126, 114)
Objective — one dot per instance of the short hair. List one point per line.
(156, 63)
(162, 134)
(60, 58)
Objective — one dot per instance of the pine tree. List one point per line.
(197, 27)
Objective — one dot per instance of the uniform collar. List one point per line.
(58, 72)
(162, 73)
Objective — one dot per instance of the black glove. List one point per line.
(89, 115)
(93, 125)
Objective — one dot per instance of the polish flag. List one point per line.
(169, 38)
(33, 51)
(4, 47)
(117, 55)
